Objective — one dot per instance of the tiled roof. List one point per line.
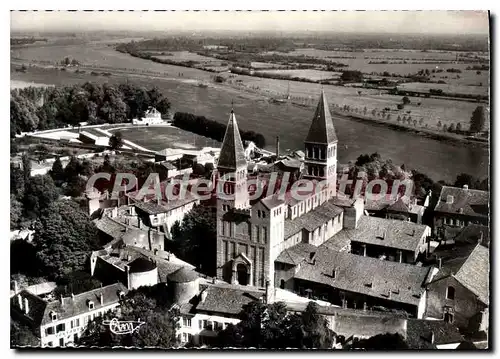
(227, 299)
(322, 130)
(339, 242)
(39, 310)
(471, 202)
(401, 205)
(419, 331)
(312, 219)
(390, 233)
(232, 153)
(151, 205)
(370, 276)
(140, 265)
(296, 254)
(183, 275)
(272, 201)
(473, 233)
(342, 201)
(474, 273)
(110, 227)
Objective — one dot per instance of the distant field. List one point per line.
(430, 60)
(159, 138)
(16, 84)
(459, 89)
(314, 75)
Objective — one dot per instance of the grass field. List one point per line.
(159, 138)
(314, 75)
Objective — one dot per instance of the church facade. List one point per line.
(251, 235)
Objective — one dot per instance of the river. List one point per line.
(439, 160)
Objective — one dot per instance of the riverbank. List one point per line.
(420, 131)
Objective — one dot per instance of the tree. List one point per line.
(64, 236)
(16, 211)
(57, 173)
(439, 124)
(270, 326)
(116, 141)
(75, 283)
(459, 127)
(451, 128)
(22, 335)
(421, 121)
(351, 76)
(400, 106)
(464, 179)
(194, 239)
(477, 120)
(406, 100)
(399, 118)
(150, 307)
(16, 182)
(39, 194)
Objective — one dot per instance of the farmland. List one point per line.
(251, 102)
(309, 74)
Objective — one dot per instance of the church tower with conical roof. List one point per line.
(321, 148)
(232, 168)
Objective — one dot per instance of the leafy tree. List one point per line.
(39, 194)
(459, 127)
(26, 167)
(400, 106)
(451, 128)
(75, 283)
(421, 121)
(477, 120)
(16, 182)
(57, 173)
(16, 211)
(439, 124)
(351, 76)
(270, 326)
(64, 236)
(116, 141)
(22, 335)
(158, 331)
(406, 100)
(195, 237)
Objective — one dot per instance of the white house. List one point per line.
(58, 323)
(152, 117)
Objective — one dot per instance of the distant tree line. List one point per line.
(212, 129)
(53, 107)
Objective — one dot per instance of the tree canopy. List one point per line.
(195, 239)
(272, 327)
(64, 238)
(52, 107)
(477, 120)
(147, 305)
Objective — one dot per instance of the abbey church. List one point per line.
(253, 235)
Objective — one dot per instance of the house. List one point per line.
(402, 208)
(353, 281)
(151, 117)
(212, 310)
(391, 239)
(459, 207)
(459, 292)
(133, 266)
(58, 323)
(432, 334)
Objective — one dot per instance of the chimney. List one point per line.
(26, 306)
(72, 296)
(413, 233)
(480, 239)
(449, 199)
(277, 147)
(62, 300)
(466, 187)
(440, 262)
(365, 307)
(101, 298)
(432, 337)
(213, 280)
(334, 273)
(20, 301)
(16, 288)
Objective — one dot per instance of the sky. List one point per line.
(424, 22)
